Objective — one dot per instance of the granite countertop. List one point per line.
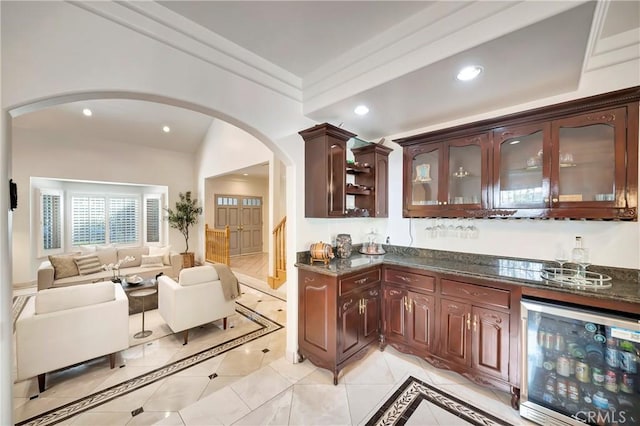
(624, 286)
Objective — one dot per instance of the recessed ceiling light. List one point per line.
(87, 112)
(166, 129)
(469, 73)
(245, 174)
(361, 110)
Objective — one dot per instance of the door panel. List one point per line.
(490, 343)
(422, 326)
(227, 214)
(371, 315)
(243, 215)
(349, 322)
(453, 331)
(394, 313)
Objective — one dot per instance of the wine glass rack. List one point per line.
(571, 277)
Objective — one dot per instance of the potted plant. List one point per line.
(182, 218)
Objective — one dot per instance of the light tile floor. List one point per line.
(251, 385)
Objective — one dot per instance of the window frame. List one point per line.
(107, 197)
(145, 219)
(42, 251)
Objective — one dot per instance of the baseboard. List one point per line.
(22, 286)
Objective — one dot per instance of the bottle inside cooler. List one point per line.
(582, 369)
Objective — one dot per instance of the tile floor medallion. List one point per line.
(148, 363)
(405, 407)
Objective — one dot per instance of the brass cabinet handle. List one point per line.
(404, 300)
(546, 200)
(469, 322)
(362, 305)
(555, 200)
(475, 322)
(410, 303)
(361, 280)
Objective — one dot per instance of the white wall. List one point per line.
(225, 149)
(59, 156)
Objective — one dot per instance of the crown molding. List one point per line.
(156, 22)
(439, 31)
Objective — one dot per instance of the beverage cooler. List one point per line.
(579, 366)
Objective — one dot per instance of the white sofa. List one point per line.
(52, 277)
(60, 327)
(196, 299)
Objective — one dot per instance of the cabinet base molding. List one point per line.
(334, 368)
(401, 347)
(476, 378)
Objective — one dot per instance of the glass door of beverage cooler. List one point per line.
(579, 366)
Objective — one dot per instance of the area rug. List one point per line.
(260, 326)
(399, 408)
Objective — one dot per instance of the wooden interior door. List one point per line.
(251, 225)
(244, 217)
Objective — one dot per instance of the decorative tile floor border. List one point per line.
(267, 326)
(405, 400)
(16, 308)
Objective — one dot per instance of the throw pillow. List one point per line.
(135, 252)
(64, 265)
(149, 261)
(161, 251)
(88, 264)
(107, 255)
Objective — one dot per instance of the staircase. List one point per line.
(279, 255)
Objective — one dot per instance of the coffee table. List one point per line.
(135, 304)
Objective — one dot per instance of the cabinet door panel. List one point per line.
(453, 331)
(315, 320)
(424, 181)
(394, 314)
(490, 343)
(349, 337)
(522, 166)
(336, 179)
(422, 317)
(466, 171)
(371, 315)
(589, 162)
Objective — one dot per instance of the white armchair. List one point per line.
(63, 326)
(196, 299)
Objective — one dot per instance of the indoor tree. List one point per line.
(184, 216)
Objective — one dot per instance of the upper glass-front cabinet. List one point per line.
(446, 178)
(521, 166)
(589, 159)
(575, 160)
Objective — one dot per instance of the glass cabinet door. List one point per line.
(425, 170)
(521, 166)
(464, 177)
(588, 159)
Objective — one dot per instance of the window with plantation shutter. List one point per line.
(123, 220)
(88, 220)
(51, 231)
(152, 216)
